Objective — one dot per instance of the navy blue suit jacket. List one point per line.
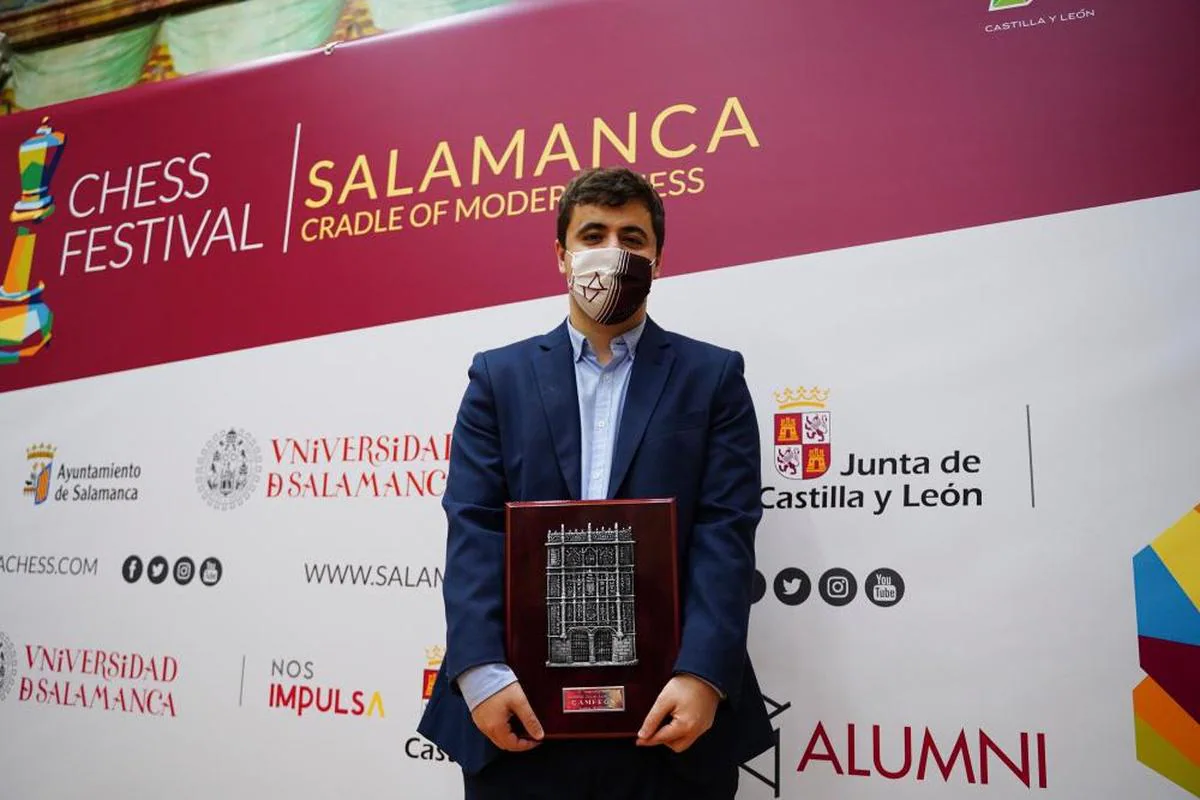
(688, 431)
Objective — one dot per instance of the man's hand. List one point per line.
(691, 703)
(494, 718)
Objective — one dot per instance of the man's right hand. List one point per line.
(494, 718)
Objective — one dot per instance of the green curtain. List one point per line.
(239, 32)
(81, 69)
(394, 15)
(210, 38)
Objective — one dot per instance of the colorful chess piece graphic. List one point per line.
(1166, 705)
(25, 319)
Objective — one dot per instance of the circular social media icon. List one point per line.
(185, 570)
(156, 570)
(792, 586)
(131, 570)
(758, 587)
(210, 571)
(884, 587)
(838, 587)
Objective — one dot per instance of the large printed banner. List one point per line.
(955, 240)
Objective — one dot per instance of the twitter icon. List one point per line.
(792, 586)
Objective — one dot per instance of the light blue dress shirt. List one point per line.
(602, 390)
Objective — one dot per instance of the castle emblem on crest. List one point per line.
(802, 436)
(433, 660)
(41, 463)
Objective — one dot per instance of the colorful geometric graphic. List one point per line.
(25, 320)
(1000, 5)
(1166, 705)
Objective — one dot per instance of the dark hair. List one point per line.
(611, 186)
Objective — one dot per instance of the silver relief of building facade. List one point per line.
(590, 604)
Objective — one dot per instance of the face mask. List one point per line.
(609, 283)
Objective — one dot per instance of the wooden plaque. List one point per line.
(592, 604)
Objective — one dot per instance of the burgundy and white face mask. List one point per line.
(609, 283)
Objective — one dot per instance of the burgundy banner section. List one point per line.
(416, 174)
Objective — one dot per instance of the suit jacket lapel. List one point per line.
(651, 366)
(554, 372)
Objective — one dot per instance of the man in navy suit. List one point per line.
(607, 404)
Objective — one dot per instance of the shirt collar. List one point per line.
(630, 338)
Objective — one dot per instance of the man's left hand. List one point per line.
(691, 704)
